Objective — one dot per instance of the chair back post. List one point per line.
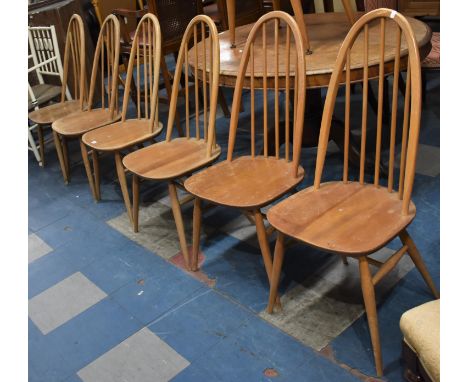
(106, 57)
(192, 32)
(291, 28)
(146, 47)
(75, 46)
(412, 104)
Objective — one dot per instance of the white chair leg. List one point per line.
(33, 145)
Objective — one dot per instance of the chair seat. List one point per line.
(43, 94)
(343, 218)
(79, 123)
(120, 135)
(245, 182)
(169, 160)
(51, 113)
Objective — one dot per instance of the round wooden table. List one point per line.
(326, 32)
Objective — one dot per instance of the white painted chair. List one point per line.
(45, 58)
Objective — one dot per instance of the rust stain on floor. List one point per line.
(178, 261)
(328, 353)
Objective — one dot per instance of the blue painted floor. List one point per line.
(216, 329)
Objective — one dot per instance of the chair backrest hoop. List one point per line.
(148, 29)
(415, 95)
(109, 39)
(214, 60)
(298, 119)
(75, 46)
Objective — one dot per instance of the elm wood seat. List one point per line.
(173, 159)
(49, 114)
(75, 58)
(142, 69)
(356, 218)
(253, 182)
(120, 135)
(342, 218)
(76, 124)
(105, 65)
(163, 161)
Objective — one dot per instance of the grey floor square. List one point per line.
(65, 300)
(143, 357)
(37, 248)
(428, 160)
(323, 306)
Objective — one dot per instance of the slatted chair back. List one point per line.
(106, 66)
(288, 58)
(74, 60)
(203, 35)
(174, 17)
(377, 22)
(143, 71)
(45, 55)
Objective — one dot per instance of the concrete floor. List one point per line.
(108, 305)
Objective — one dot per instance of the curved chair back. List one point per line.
(203, 34)
(106, 66)
(75, 47)
(377, 24)
(274, 68)
(143, 70)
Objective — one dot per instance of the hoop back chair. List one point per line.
(143, 73)
(103, 103)
(46, 61)
(175, 158)
(352, 217)
(250, 182)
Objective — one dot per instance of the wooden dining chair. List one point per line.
(175, 158)
(105, 69)
(250, 182)
(352, 217)
(74, 48)
(143, 71)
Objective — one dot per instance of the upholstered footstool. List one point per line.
(421, 342)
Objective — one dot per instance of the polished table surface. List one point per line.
(326, 32)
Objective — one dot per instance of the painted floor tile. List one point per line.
(37, 248)
(92, 333)
(143, 357)
(63, 301)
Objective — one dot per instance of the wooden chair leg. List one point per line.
(167, 84)
(58, 147)
(66, 159)
(264, 247)
(371, 310)
(179, 223)
(89, 174)
(40, 135)
(276, 272)
(123, 184)
(97, 175)
(196, 233)
(418, 261)
(136, 200)
(223, 103)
